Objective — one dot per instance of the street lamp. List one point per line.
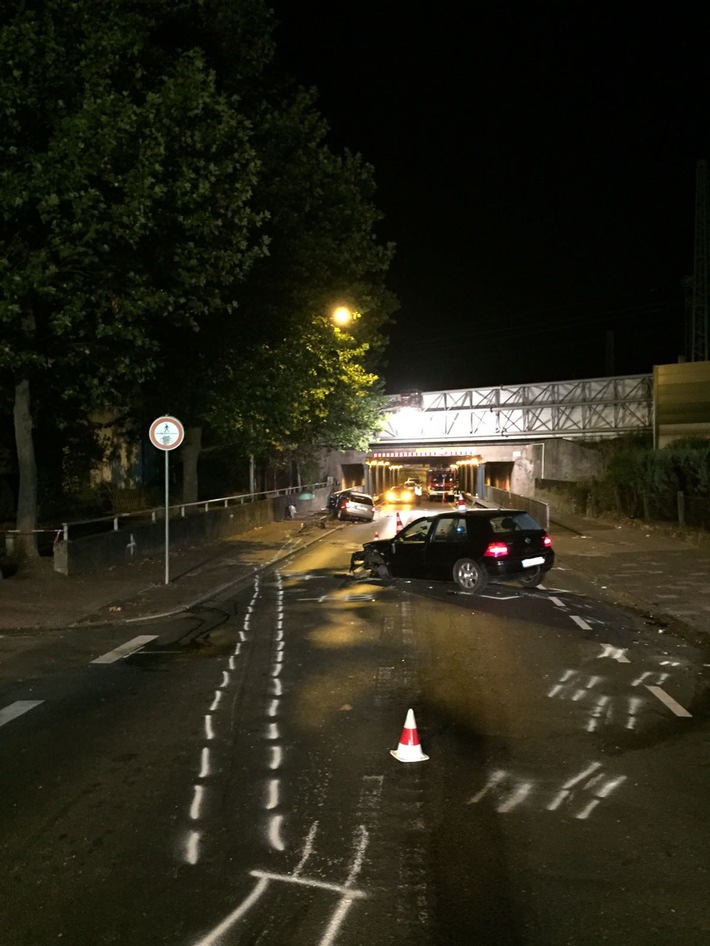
(342, 316)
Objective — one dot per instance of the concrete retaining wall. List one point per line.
(137, 540)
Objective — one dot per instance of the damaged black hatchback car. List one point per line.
(468, 548)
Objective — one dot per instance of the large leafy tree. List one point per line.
(277, 375)
(125, 181)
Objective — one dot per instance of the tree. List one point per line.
(125, 183)
(281, 378)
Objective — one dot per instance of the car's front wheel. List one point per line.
(470, 576)
(532, 578)
(376, 565)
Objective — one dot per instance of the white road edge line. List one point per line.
(125, 650)
(672, 705)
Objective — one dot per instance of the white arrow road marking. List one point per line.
(672, 705)
(125, 650)
(13, 710)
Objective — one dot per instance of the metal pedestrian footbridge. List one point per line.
(590, 409)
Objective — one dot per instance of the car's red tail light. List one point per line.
(496, 550)
(547, 541)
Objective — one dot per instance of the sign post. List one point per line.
(166, 433)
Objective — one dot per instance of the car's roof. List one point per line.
(482, 513)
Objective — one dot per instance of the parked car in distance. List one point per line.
(469, 548)
(400, 494)
(356, 505)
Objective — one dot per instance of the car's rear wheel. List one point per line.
(470, 576)
(532, 578)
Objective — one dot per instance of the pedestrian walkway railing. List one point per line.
(157, 513)
(98, 524)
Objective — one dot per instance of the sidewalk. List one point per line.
(40, 598)
(665, 577)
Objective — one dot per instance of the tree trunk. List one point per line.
(252, 474)
(191, 449)
(27, 467)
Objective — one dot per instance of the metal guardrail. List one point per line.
(157, 513)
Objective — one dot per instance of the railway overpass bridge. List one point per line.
(511, 435)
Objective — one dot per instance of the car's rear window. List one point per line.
(513, 522)
(361, 498)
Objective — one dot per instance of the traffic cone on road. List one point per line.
(409, 749)
(398, 522)
(462, 503)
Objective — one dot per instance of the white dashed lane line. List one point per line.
(581, 622)
(125, 650)
(13, 710)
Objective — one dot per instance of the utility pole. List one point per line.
(700, 298)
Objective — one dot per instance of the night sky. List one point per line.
(535, 163)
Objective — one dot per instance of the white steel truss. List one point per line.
(592, 408)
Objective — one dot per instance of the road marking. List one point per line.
(276, 757)
(18, 708)
(518, 796)
(196, 805)
(216, 700)
(307, 849)
(125, 650)
(616, 653)
(273, 797)
(592, 767)
(581, 622)
(275, 839)
(192, 847)
(558, 603)
(216, 934)
(205, 763)
(209, 731)
(349, 892)
(672, 705)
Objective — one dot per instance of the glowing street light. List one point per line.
(342, 316)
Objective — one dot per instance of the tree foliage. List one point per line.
(175, 228)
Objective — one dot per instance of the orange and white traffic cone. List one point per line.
(409, 749)
(462, 503)
(398, 522)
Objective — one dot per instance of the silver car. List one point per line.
(355, 505)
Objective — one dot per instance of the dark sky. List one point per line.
(536, 165)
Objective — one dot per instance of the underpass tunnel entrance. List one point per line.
(498, 474)
(383, 473)
(471, 474)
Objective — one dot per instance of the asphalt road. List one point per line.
(226, 777)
